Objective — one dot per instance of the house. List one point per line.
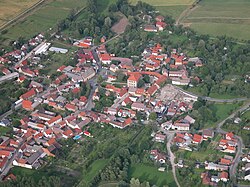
(138, 106)
(133, 80)
(157, 156)
(229, 149)
(54, 121)
(223, 176)
(105, 58)
(126, 101)
(159, 18)
(189, 119)
(197, 139)
(181, 126)
(88, 74)
(67, 134)
(207, 133)
(29, 94)
(206, 179)
(160, 138)
(27, 105)
(5, 123)
(71, 107)
(152, 90)
(229, 136)
(247, 175)
(150, 28)
(113, 68)
(111, 111)
(160, 25)
(216, 167)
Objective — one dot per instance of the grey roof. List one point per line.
(35, 156)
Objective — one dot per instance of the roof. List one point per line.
(105, 57)
(54, 119)
(28, 94)
(26, 104)
(223, 175)
(197, 138)
(134, 77)
(152, 89)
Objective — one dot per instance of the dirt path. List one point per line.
(186, 12)
(172, 157)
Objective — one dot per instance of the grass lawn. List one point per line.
(246, 115)
(4, 130)
(36, 174)
(152, 175)
(224, 110)
(94, 168)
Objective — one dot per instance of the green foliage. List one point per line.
(153, 116)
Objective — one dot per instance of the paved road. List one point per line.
(171, 156)
(233, 167)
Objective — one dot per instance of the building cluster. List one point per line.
(246, 166)
(157, 25)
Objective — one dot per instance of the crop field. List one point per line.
(221, 17)
(168, 7)
(165, 3)
(10, 9)
(43, 19)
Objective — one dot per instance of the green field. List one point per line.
(43, 19)
(152, 175)
(95, 167)
(171, 7)
(221, 17)
(224, 110)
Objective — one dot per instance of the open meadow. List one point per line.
(10, 9)
(221, 17)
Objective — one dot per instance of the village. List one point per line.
(109, 90)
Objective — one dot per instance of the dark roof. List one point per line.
(35, 156)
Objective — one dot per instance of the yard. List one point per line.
(4, 130)
(152, 175)
(221, 17)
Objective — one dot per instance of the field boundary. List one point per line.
(21, 15)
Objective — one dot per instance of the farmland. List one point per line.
(43, 19)
(221, 17)
(10, 9)
(171, 7)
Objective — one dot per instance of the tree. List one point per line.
(107, 22)
(135, 182)
(141, 83)
(99, 79)
(153, 116)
